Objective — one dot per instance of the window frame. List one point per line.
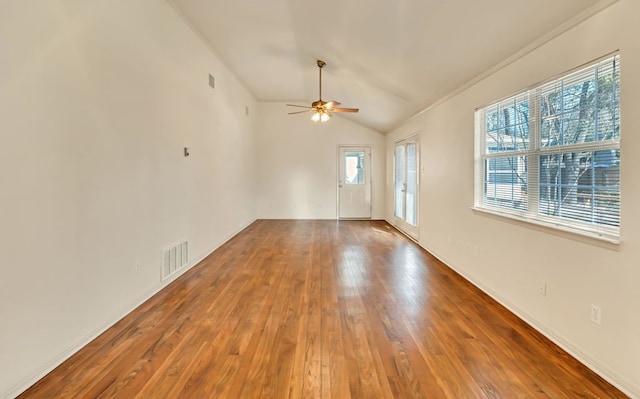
(531, 153)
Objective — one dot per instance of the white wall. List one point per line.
(507, 259)
(97, 100)
(297, 163)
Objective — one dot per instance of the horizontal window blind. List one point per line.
(551, 154)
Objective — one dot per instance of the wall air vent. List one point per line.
(174, 258)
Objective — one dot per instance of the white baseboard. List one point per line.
(50, 365)
(605, 372)
(602, 370)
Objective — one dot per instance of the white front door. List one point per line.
(354, 183)
(406, 191)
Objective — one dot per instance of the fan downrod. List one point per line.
(322, 109)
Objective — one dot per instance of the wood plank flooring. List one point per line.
(321, 309)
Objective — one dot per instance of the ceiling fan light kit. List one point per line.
(320, 116)
(321, 110)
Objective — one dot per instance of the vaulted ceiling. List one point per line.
(390, 58)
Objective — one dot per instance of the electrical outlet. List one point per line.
(542, 287)
(596, 314)
(137, 266)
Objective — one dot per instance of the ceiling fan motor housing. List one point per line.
(318, 104)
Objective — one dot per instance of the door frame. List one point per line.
(369, 149)
(400, 223)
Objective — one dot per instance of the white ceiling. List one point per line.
(390, 58)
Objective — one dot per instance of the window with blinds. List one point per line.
(551, 154)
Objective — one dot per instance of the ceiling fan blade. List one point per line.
(331, 104)
(321, 110)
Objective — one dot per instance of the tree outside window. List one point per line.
(552, 153)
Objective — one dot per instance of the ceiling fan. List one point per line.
(321, 110)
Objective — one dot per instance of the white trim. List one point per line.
(555, 77)
(623, 384)
(368, 149)
(552, 34)
(554, 224)
(412, 232)
(534, 154)
(57, 360)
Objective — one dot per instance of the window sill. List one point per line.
(570, 231)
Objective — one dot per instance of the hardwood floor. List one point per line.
(321, 309)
